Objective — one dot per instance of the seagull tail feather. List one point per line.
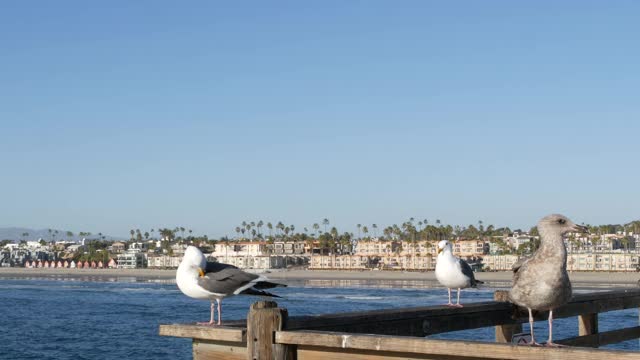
(267, 285)
(252, 291)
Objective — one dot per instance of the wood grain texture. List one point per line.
(206, 350)
(442, 349)
(422, 321)
(263, 320)
(588, 324)
(204, 332)
(504, 333)
(604, 338)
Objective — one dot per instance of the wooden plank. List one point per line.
(206, 350)
(504, 333)
(587, 324)
(604, 338)
(320, 353)
(264, 319)
(422, 321)
(220, 333)
(408, 346)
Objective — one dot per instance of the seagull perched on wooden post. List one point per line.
(453, 272)
(541, 282)
(211, 281)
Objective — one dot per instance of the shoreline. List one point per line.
(585, 278)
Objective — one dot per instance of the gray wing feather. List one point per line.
(517, 266)
(468, 272)
(224, 279)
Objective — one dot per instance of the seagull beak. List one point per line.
(580, 228)
(201, 272)
(439, 251)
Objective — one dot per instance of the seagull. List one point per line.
(453, 272)
(541, 282)
(211, 281)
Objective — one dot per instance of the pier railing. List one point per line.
(268, 332)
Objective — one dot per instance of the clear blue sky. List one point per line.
(122, 114)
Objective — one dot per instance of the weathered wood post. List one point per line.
(264, 319)
(588, 325)
(504, 333)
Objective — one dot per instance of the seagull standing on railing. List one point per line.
(211, 281)
(453, 272)
(541, 282)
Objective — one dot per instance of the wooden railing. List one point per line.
(268, 332)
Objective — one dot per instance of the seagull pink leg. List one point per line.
(550, 342)
(211, 321)
(449, 303)
(219, 311)
(458, 303)
(533, 339)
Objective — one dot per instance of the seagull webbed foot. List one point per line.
(552, 344)
(208, 323)
(533, 343)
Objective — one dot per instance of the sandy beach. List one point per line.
(578, 278)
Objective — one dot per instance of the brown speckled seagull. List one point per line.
(541, 282)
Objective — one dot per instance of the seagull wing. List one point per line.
(225, 279)
(468, 272)
(522, 262)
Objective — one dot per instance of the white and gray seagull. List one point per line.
(541, 282)
(211, 281)
(453, 272)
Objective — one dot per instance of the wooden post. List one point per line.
(588, 325)
(263, 320)
(504, 333)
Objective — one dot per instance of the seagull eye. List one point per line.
(562, 221)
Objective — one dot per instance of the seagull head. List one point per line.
(194, 258)
(559, 224)
(443, 245)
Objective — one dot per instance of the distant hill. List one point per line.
(15, 233)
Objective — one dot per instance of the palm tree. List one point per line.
(270, 227)
(316, 226)
(365, 230)
(260, 223)
(132, 232)
(375, 230)
(325, 222)
(359, 226)
(238, 230)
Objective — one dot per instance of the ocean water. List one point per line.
(119, 318)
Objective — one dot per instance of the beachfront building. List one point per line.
(516, 241)
(164, 262)
(377, 247)
(117, 247)
(224, 250)
(498, 262)
(470, 248)
(256, 262)
(614, 261)
(339, 262)
(142, 246)
(131, 259)
(286, 248)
